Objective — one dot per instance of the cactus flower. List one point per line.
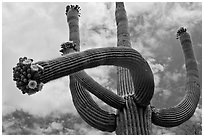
(32, 84)
(34, 67)
(27, 61)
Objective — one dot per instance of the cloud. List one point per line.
(101, 74)
(162, 131)
(174, 76)
(156, 69)
(166, 94)
(96, 28)
(32, 30)
(55, 97)
(197, 117)
(138, 8)
(154, 25)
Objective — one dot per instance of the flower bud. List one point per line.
(22, 77)
(29, 76)
(21, 70)
(24, 73)
(25, 80)
(28, 70)
(27, 61)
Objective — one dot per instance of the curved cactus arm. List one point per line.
(82, 77)
(174, 116)
(89, 110)
(83, 102)
(118, 56)
(99, 91)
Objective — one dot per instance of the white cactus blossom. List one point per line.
(27, 61)
(34, 67)
(32, 84)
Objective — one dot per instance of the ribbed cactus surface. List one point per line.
(135, 83)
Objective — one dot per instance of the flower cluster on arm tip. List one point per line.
(26, 74)
(68, 47)
(180, 31)
(75, 7)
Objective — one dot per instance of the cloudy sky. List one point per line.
(36, 30)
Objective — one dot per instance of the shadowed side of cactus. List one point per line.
(174, 116)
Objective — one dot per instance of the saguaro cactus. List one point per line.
(135, 80)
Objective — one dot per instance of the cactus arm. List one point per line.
(82, 77)
(118, 56)
(99, 91)
(89, 110)
(174, 116)
(83, 102)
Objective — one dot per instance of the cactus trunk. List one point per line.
(132, 119)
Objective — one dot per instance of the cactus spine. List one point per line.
(135, 81)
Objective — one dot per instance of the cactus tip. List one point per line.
(26, 75)
(69, 46)
(73, 7)
(180, 31)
